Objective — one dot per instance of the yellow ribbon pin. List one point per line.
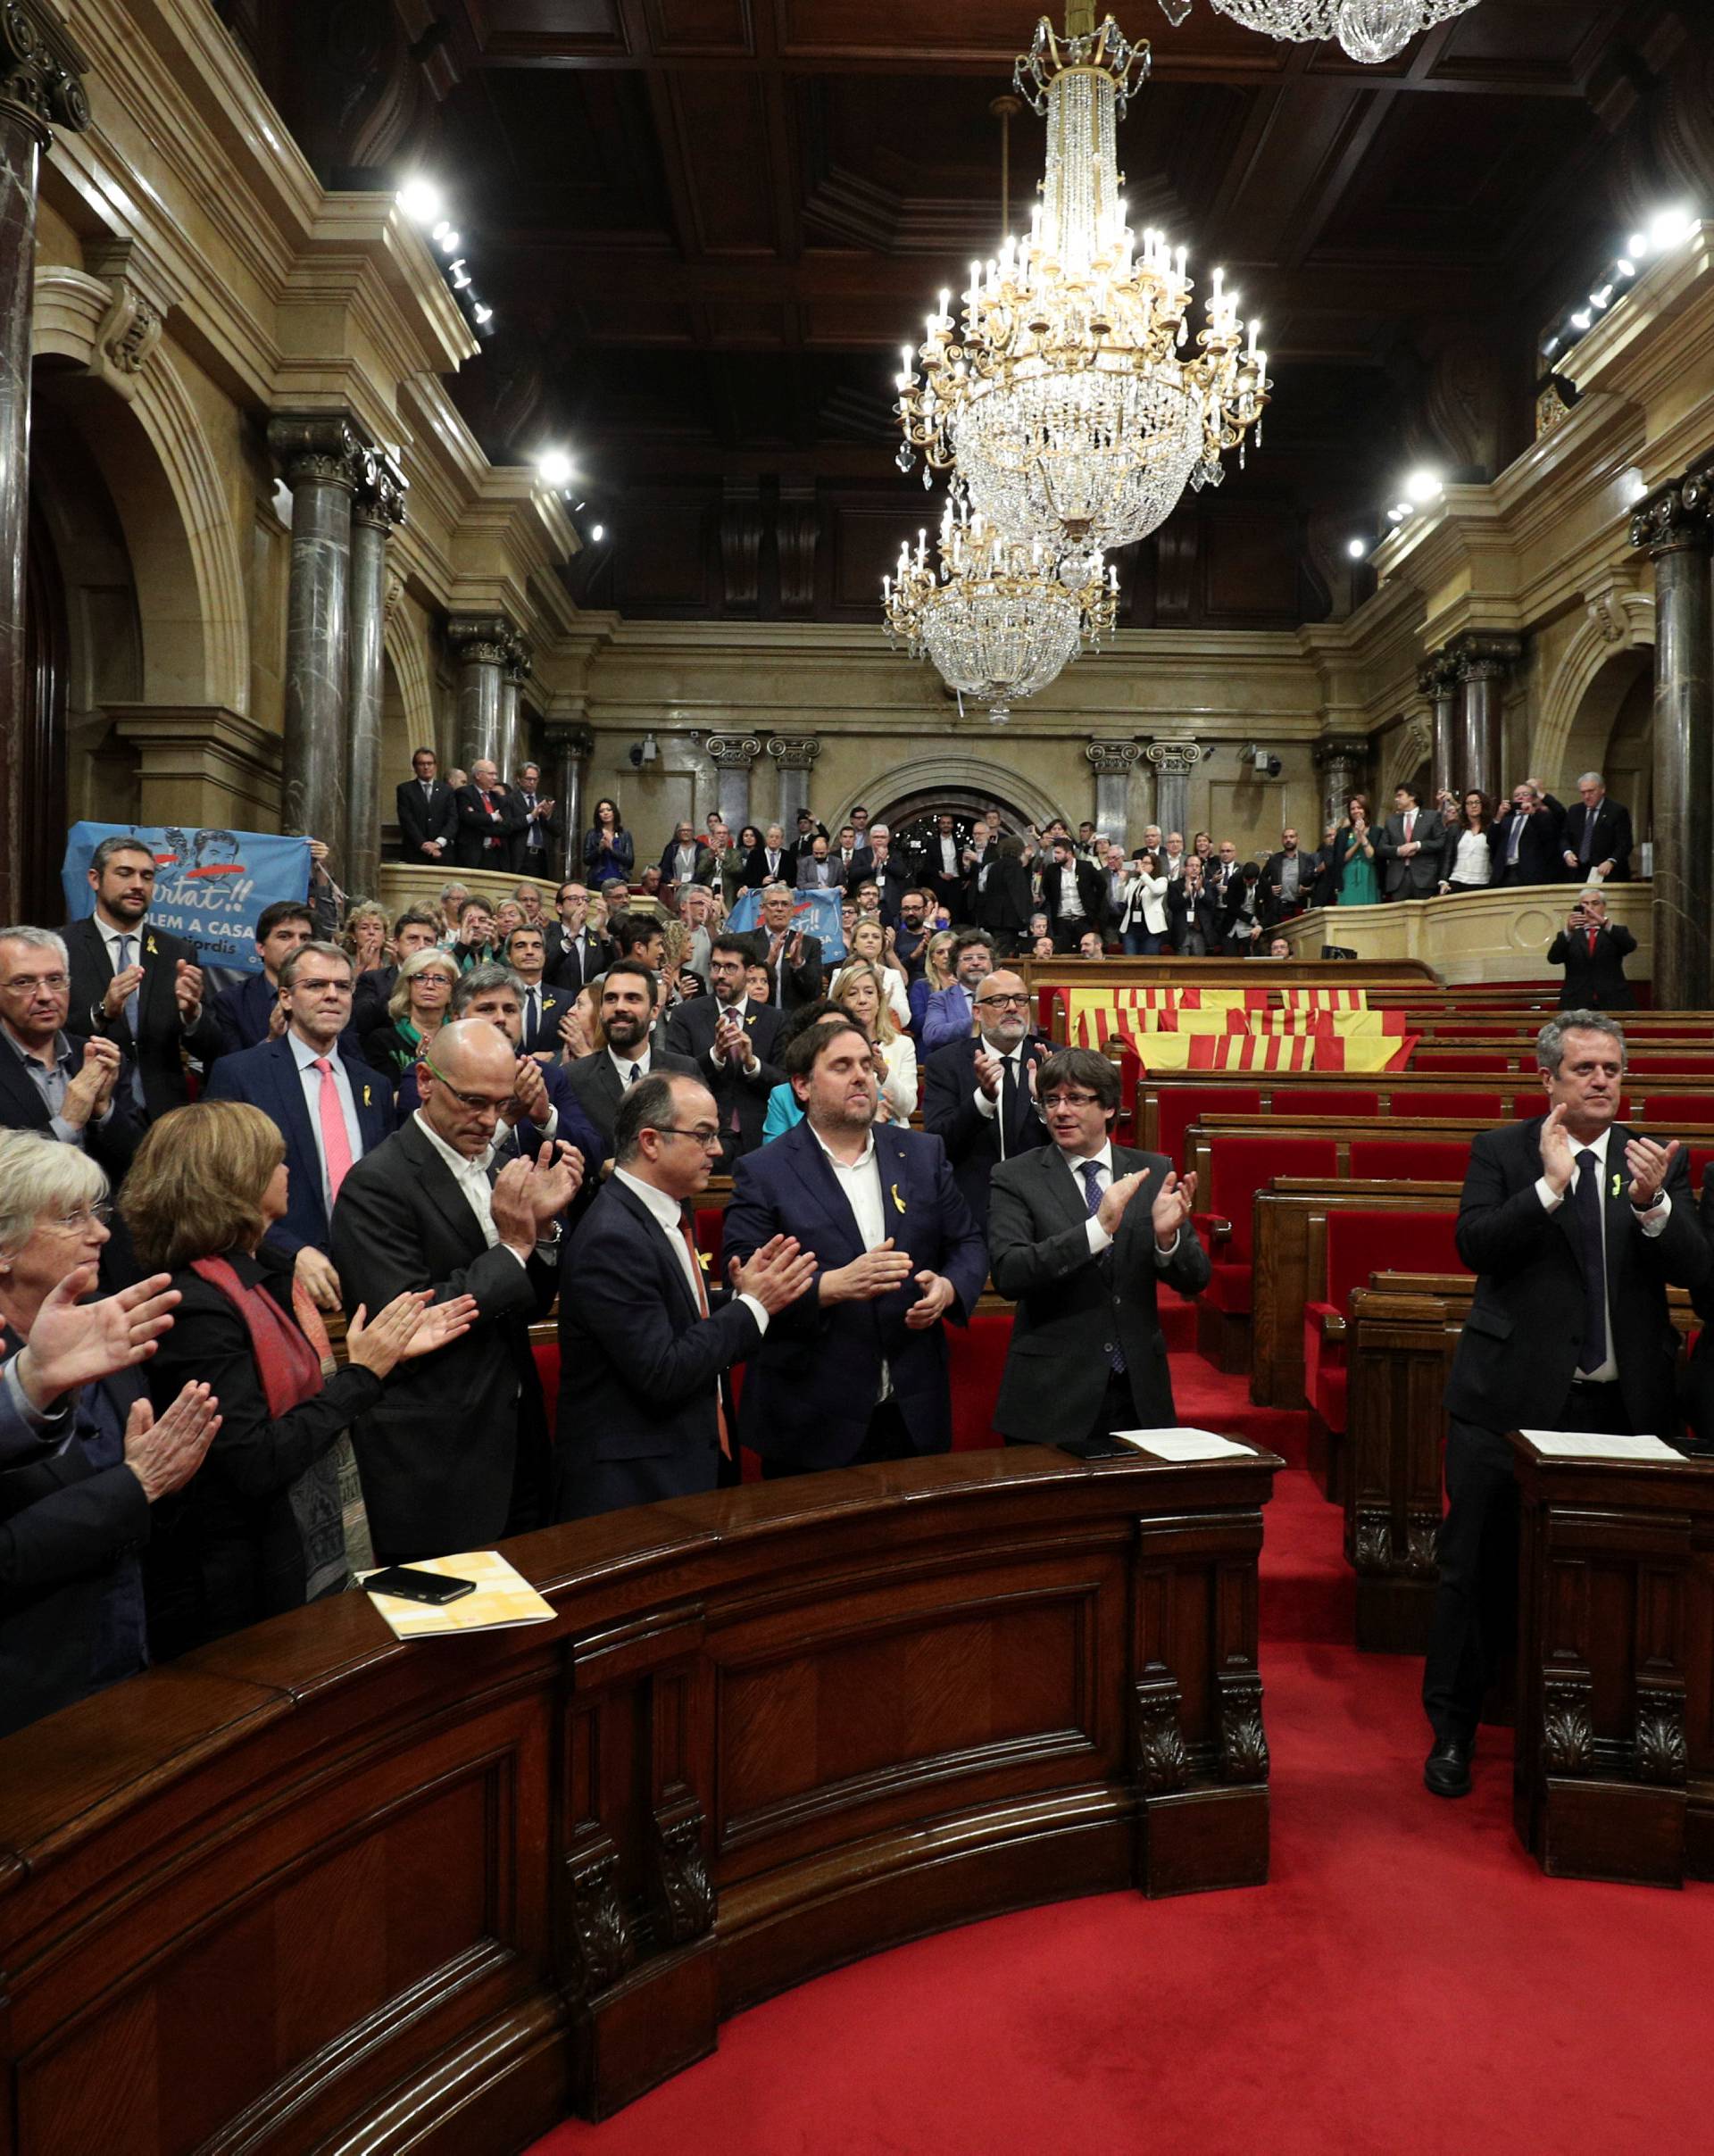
(152, 948)
(366, 1099)
(1617, 1180)
(897, 1200)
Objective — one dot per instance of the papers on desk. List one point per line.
(1578, 1444)
(503, 1597)
(1184, 1445)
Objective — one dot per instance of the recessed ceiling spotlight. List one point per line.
(553, 468)
(597, 532)
(420, 200)
(1423, 485)
(1357, 548)
(1670, 228)
(1582, 318)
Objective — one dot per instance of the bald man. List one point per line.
(489, 820)
(455, 1455)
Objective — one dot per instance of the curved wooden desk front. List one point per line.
(311, 1889)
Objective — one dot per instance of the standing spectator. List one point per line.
(942, 868)
(1524, 846)
(818, 871)
(535, 842)
(735, 863)
(949, 1015)
(1359, 878)
(857, 990)
(1172, 861)
(869, 941)
(1467, 864)
(489, 820)
(1073, 893)
(1241, 922)
(137, 985)
(1289, 879)
(856, 1368)
(1597, 835)
(415, 929)
(1593, 950)
(248, 1012)
(576, 953)
(427, 814)
(454, 1453)
(685, 860)
(731, 1040)
(891, 877)
(609, 855)
(1003, 899)
(1195, 913)
(543, 1007)
(1220, 871)
(1142, 924)
(1325, 889)
(261, 1529)
(910, 939)
(70, 1091)
(769, 862)
(793, 957)
(937, 973)
(416, 1010)
(1411, 846)
(601, 1078)
(979, 1093)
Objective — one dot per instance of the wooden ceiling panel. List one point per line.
(723, 139)
(508, 27)
(529, 147)
(699, 28)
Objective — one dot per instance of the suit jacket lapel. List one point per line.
(652, 1227)
(821, 1190)
(1061, 1187)
(294, 1110)
(436, 1179)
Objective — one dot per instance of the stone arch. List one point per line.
(408, 667)
(144, 434)
(977, 777)
(1619, 621)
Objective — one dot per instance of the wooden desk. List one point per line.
(1615, 1764)
(311, 1888)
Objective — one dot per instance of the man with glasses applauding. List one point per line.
(646, 1339)
(1079, 1233)
(67, 1089)
(979, 1093)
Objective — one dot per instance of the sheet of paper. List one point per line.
(1579, 1444)
(1182, 1444)
(503, 1597)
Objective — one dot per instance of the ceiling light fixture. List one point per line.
(1369, 30)
(553, 468)
(420, 200)
(1669, 228)
(1358, 549)
(1423, 487)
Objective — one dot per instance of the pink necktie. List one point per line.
(335, 1139)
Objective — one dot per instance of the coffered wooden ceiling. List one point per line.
(705, 226)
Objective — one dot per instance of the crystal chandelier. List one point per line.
(991, 613)
(1368, 30)
(1064, 397)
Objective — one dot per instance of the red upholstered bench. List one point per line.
(1408, 1159)
(976, 1359)
(1425, 1099)
(1239, 1166)
(1668, 1062)
(1436, 1062)
(1668, 1109)
(711, 1234)
(1360, 1244)
(1325, 1100)
(1180, 1106)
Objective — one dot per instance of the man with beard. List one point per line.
(602, 1078)
(979, 1093)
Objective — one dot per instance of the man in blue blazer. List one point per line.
(855, 1369)
(645, 1341)
(313, 1091)
(245, 1013)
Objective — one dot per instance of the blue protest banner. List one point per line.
(815, 913)
(210, 884)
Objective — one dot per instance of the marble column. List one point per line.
(1483, 662)
(795, 756)
(1675, 526)
(512, 755)
(1437, 679)
(40, 89)
(732, 755)
(377, 507)
(482, 647)
(322, 458)
(570, 747)
(1173, 762)
(1341, 759)
(1112, 762)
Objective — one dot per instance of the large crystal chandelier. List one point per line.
(992, 613)
(1065, 397)
(1368, 30)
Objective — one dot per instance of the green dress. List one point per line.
(1357, 886)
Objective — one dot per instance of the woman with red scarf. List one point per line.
(263, 1527)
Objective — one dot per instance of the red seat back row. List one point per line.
(1362, 1243)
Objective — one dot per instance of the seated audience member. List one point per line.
(1593, 950)
(1075, 894)
(476, 944)
(415, 929)
(601, 1078)
(262, 1527)
(1043, 947)
(792, 957)
(936, 974)
(757, 985)
(1525, 842)
(427, 814)
(135, 985)
(1279, 946)
(328, 1109)
(248, 1012)
(948, 1014)
(784, 1111)
(416, 1011)
(1467, 862)
(452, 897)
(770, 862)
(979, 1092)
(1596, 838)
(648, 883)
(731, 1040)
(454, 1453)
(1090, 946)
(645, 1341)
(535, 842)
(85, 1457)
(869, 941)
(488, 820)
(1080, 1231)
(857, 989)
(526, 956)
(72, 1091)
(856, 1368)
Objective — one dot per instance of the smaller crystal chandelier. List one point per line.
(992, 613)
(1369, 30)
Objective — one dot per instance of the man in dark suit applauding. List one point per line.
(645, 1343)
(427, 813)
(730, 1038)
(793, 958)
(1595, 840)
(455, 1451)
(1075, 894)
(1574, 1226)
(1412, 844)
(1080, 1231)
(602, 1078)
(70, 1090)
(1593, 950)
(979, 1093)
(855, 1369)
(489, 820)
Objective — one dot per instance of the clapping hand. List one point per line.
(89, 1094)
(164, 1453)
(528, 1094)
(731, 1041)
(776, 1275)
(937, 1295)
(74, 1343)
(1650, 1165)
(573, 1034)
(988, 1073)
(1558, 1154)
(1174, 1202)
(187, 986)
(123, 985)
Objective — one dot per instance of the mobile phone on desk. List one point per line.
(411, 1584)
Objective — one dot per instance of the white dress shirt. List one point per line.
(1071, 897)
(624, 1065)
(666, 1211)
(303, 1055)
(472, 1179)
(1099, 1238)
(860, 1182)
(990, 1108)
(1474, 863)
(949, 856)
(1652, 1223)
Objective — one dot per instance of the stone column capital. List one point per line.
(41, 70)
(1677, 516)
(1437, 675)
(569, 737)
(381, 489)
(1481, 657)
(733, 751)
(519, 662)
(1173, 759)
(482, 639)
(1112, 759)
(1340, 748)
(794, 752)
(320, 446)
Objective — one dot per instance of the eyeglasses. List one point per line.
(52, 982)
(1022, 1003)
(480, 1104)
(84, 1217)
(1073, 1100)
(709, 1140)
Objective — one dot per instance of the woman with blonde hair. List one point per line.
(262, 1527)
(416, 1011)
(363, 938)
(936, 973)
(869, 941)
(859, 989)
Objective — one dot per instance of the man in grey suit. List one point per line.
(1410, 845)
(602, 1078)
(1080, 1231)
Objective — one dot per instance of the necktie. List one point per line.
(1409, 824)
(1586, 850)
(126, 960)
(1009, 1107)
(532, 1016)
(1587, 1200)
(1517, 833)
(1592, 943)
(1090, 1170)
(685, 1230)
(637, 1072)
(335, 1139)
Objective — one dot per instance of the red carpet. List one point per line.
(1408, 1981)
